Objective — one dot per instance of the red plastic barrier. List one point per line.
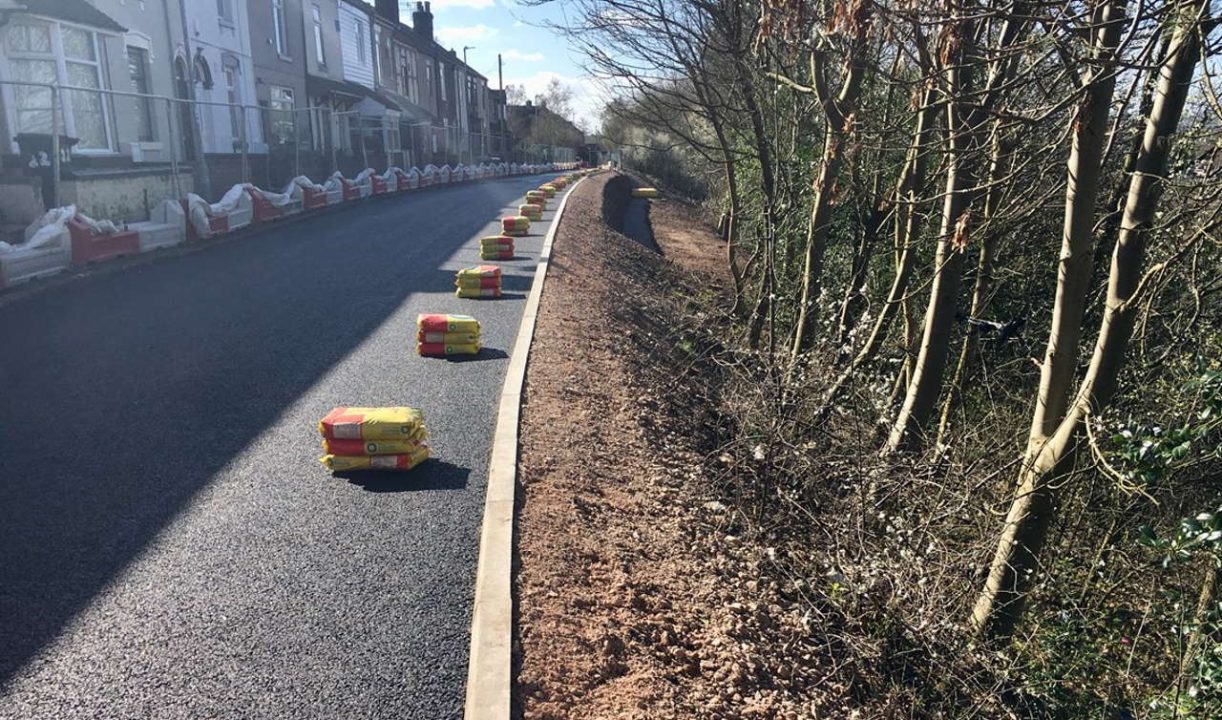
(88, 247)
(264, 211)
(351, 191)
(313, 199)
(379, 185)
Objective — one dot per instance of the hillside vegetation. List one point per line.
(973, 349)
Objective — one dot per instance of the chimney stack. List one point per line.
(388, 9)
(422, 20)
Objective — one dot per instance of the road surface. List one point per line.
(169, 545)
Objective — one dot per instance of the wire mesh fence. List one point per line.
(207, 146)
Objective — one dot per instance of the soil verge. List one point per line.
(634, 596)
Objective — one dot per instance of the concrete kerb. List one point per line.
(489, 669)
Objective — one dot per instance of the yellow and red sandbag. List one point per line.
(358, 423)
(447, 338)
(437, 322)
(478, 293)
(349, 463)
(477, 283)
(534, 212)
(369, 447)
(484, 271)
(443, 350)
(548, 190)
(515, 225)
(644, 192)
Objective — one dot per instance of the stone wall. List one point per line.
(126, 195)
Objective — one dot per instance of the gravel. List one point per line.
(169, 545)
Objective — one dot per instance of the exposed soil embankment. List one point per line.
(634, 597)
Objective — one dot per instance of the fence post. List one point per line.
(172, 146)
(360, 131)
(54, 147)
(332, 131)
(296, 145)
(242, 136)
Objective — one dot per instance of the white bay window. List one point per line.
(48, 52)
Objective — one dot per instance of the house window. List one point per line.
(52, 53)
(443, 82)
(318, 46)
(224, 11)
(233, 91)
(137, 67)
(360, 42)
(282, 39)
(280, 107)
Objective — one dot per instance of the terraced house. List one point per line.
(152, 99)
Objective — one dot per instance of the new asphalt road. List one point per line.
(170, 546)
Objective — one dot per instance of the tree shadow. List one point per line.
(143, 385)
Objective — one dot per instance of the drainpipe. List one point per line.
(199, 169)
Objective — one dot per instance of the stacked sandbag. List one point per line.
(481, 281)
(446, 335)
(548, 190)
(644, 192)
(388, 438)
(537, 197)
(515, 225)
(531, 211)
(496, 247)
(561, 183)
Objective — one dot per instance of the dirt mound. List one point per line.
(635, 597)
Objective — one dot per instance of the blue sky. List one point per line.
(533, 54)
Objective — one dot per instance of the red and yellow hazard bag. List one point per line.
(388, 423)
(370, 447)
(436, 322)
(443, 350)
(348, 463)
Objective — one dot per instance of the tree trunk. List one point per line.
(908, 215)
(839, 111)
(759, 131)
(963, 122)
(1081, 196)
(1000, 603)
(816, 237)
(982, 287)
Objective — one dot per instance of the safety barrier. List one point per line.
(63, 237)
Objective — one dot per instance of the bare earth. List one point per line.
(635, 599)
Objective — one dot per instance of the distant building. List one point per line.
(279, 54)
(541, 135)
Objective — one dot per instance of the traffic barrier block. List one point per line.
(166, 227)
(89, 246)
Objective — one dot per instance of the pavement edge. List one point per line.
(489, 669)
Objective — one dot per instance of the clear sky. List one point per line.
(533, 54)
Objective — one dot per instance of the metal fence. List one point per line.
(219, 144)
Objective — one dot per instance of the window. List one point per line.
(224, 11)
(280, 106)
(360, 42)
(318, 47)
(282, 37)
(408, 74)
(234, 98)
(51, 53)
(443, 82)
(137, 67)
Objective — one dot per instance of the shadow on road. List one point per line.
(125, 394)
(433, 474)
